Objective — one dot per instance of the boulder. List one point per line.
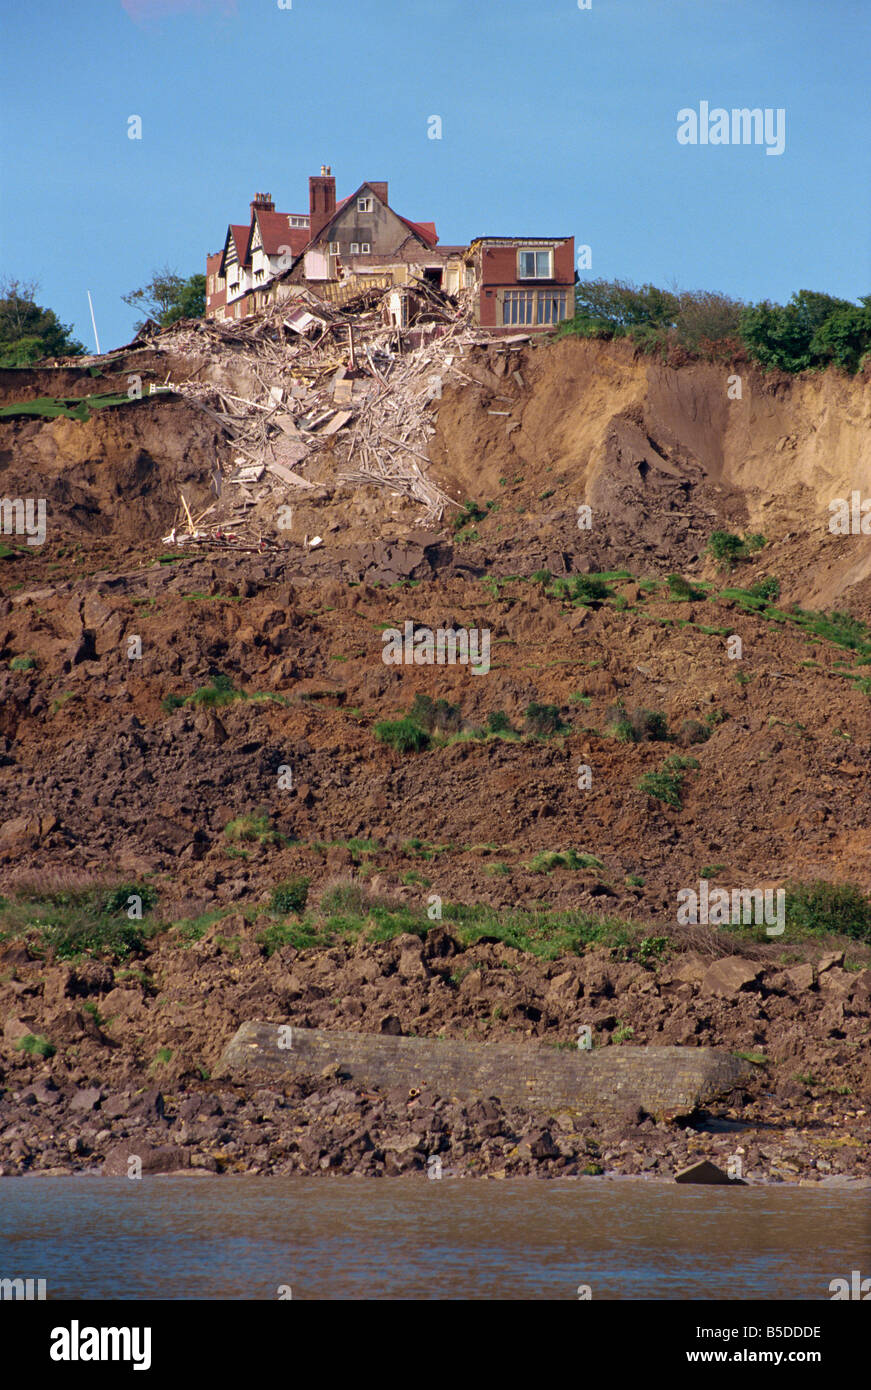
(166, 1158)
(800, 977)
(730, 975)
(708, 1174)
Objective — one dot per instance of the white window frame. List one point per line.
(334, 248)
(365, 248)
(535, 251)
(364, 204)
(355, 248)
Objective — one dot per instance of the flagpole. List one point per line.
(94, 322)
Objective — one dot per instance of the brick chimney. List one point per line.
(321, 201)
(380, 189)
(263, 201)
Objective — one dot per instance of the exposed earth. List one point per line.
(276, 773)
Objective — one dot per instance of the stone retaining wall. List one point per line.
(663, 1080)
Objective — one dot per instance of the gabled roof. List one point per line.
(276, 233)
(425, 231)
(239, 232)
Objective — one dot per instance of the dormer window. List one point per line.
(535, 265)
(355, 248)
(364, 204)
(365, 248)
(334, 248)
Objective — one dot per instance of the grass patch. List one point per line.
(402, 734)
(547, 860)
(256, 827)
(220, 691)
(821, 908)
(666, 785)
(64, 923)
(35, 1045)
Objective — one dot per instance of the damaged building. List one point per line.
(340, 250)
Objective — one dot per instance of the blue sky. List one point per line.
(555, 120)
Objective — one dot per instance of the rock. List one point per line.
(729, 976)
(828, 960)
(166, 1158)
(14, 1030)
(82, 649)
(46, 1092)
(115, 1107)
(390, 1025)
(87, 1099)
(412, 965)
(707, 1173)
(692, 970)
(801, 977)
(542, 1145)
(837, 981)
(19, 829)
(122, 1003)
(149, 1105)
(564, 987)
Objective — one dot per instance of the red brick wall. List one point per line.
(218, 299)
(499, 265)
(499, 272)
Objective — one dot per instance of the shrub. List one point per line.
(726, 548)
(580, 588)
(289, 896)
(769, 589)
(639, 725)
(693, 731)
(402, 734)
(220, 692)
(682, 590)
(811, 330)
(117, 899)
(620, 725)
(666, 785)
(22, 663)
(824, 907)
(498, 722)
(650, 724)
(542, 720)
(469, 512)
(434, 715)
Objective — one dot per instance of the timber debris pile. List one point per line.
(348, 381)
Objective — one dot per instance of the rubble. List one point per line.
(344, 379)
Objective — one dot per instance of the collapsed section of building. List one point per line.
(338, 250)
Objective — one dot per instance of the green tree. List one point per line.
(167, 297)
(705, 315)
(28, 332)
(844, 338)
(621, 304)
(787, 335)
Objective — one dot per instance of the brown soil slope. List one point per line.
(99, 778)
